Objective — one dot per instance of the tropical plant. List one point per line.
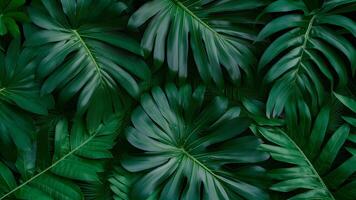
(19, 95)
(350, 103)
(307, 50)
(177, 99)
(10, 12)
(185, 141)
(80, 57)
(217, 32)
(121, 182)
(311, 154)
(78, 154)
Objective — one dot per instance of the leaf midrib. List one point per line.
(185, 153)
(310, 165)
(50, 167)
(200, 21)
(305, 42)
(88, 52)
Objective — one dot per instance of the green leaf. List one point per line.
(15, 4)
(85, 58)
(348, 102)
(19, 92)
(339, 20)
(180, 145)
(218, 44)
(312, 171)
(7, 180)
(79, 155)
(279, 24)
(3, 29)
(121, 184)
(10, 14)
(305, 45)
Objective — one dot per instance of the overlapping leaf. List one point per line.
(181, 143)
(350, 103)
(121, 183)
(78, 154)
(307, 51)
(10, 13)
(19, 92)
(187, 144)
(311, 155)
(217, 32)
(84, 58)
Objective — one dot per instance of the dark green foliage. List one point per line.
(306, 51)
(312, 153)
(78, 154)
(81, 60)
(10, 13)
(217, 32)
(19, 96)
(185, 141)
(177, 100)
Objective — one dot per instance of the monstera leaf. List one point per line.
(313, 170)
(192, 149)
(79, 154)
(216, 31)
(19, 92)
(85, 57)
(309, 48)
(10, 12)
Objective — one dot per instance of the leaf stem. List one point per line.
(184, 152)
(50, 167)
(88, 51)
(305, 42)
(184, 8)
(311, 167)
